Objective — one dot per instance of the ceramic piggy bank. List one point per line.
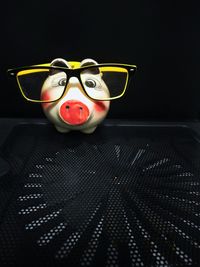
(75, 110)
(74, 95)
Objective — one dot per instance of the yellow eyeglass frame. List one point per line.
(74, 71)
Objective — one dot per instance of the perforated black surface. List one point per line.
(123, 196)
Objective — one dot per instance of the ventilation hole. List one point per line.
(35, 175)
(68, 245)
(28, 197)
(156, 164)
(42, 220)
(40, 166)
(89, 253)
(194, 193)
(46, 238)
(48, 159)
(91, 218)
(112, 257)
(89, 172)
(32, 209)
(191, 224)
(29, 185)
(185, 174)
(133, 249)
(183, 255)
(117, 150)
(138, 155)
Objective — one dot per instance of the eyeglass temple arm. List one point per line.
(131, 73)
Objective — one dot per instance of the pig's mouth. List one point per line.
(74, 112)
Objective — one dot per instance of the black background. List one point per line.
(161, 37)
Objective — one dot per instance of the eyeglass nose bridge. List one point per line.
(74, 80)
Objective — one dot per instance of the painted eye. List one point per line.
(90, 83)
(62, 82)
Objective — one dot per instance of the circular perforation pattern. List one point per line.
(90, 252)
(46, 238)
(112, 256)
(35, 175)
(32, 209)
(28, 197)
(42, 220)
(67, 247)
(30, 185)
(111, 203)
(77, 178)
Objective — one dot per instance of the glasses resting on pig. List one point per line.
(74, 96)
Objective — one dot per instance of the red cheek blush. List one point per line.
(45, 96)
(99, 106)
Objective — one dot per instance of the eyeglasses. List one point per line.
(99, 82)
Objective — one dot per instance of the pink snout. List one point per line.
(74, 112)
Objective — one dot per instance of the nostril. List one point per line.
(74, 112)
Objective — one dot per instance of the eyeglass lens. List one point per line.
(100, 83)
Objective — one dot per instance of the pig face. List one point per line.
(75, 110)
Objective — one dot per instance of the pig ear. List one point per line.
(58, 62)
(89, 62)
